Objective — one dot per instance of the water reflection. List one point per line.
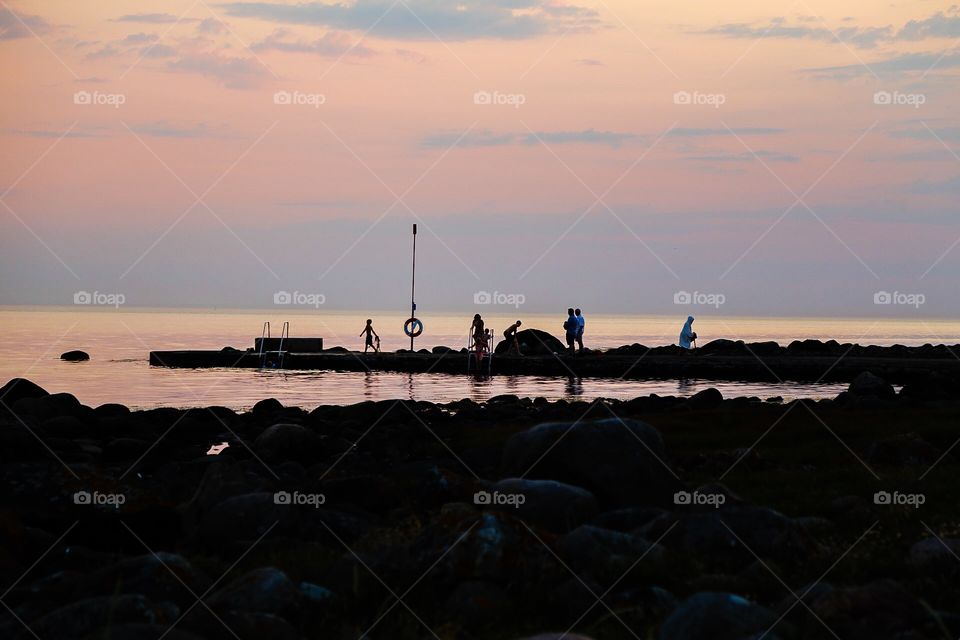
(574, 387)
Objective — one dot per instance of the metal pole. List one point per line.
(413, 282)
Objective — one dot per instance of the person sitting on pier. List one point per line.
(371, 334)
(510, 334)
(687, 334)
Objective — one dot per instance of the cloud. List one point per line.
(922, 133)
(140, 38)
(903, 63)
(746, 156)
(159, 51)
(427, 19)
(16, 25)
(150, 18)
(936, 26)
(234, 73)
(483, 138)
(166, 130)
(589, 62)
(487, 138)
(332, 44)
(211, 25)
(863, 37)
(48, 133)
(611, 139)
(709, 133)
(950, 186)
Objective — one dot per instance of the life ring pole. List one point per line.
(413, 282)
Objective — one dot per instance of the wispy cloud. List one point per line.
(150, 18)
(487, 138)
(467, 20)
(903, 63)
(681, 132)
(233, 73)
(863, 37)
(19, 25)
(332, 43)
(746, 156)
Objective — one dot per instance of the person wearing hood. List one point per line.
(687, 334)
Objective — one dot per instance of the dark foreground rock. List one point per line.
(75, 356)
(657, 517)
(622, 462)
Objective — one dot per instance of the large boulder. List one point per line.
(731, 534)
(553, 505)
(880, 609)
(621, 462)
(282, 442)
(266, 589)
(533, 342)
(605, 555)
(718, 616)
(19, 388)
(869, 385)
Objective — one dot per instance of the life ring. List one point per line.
(413, 327)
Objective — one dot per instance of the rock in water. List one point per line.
(75, 356)
(621, 462)
(868, 385)
(533, 342)
(718, 616)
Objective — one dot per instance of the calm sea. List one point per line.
(118, 341)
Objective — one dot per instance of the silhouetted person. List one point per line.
(371, 334)
(687, 334)
(479, 335)
(511, 336)
(580, 325)
(570, 326)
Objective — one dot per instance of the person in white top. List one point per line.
(580, 325)
(687, 334)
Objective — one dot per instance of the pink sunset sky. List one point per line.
(795, 157)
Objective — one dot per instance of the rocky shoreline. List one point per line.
(657, 517)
